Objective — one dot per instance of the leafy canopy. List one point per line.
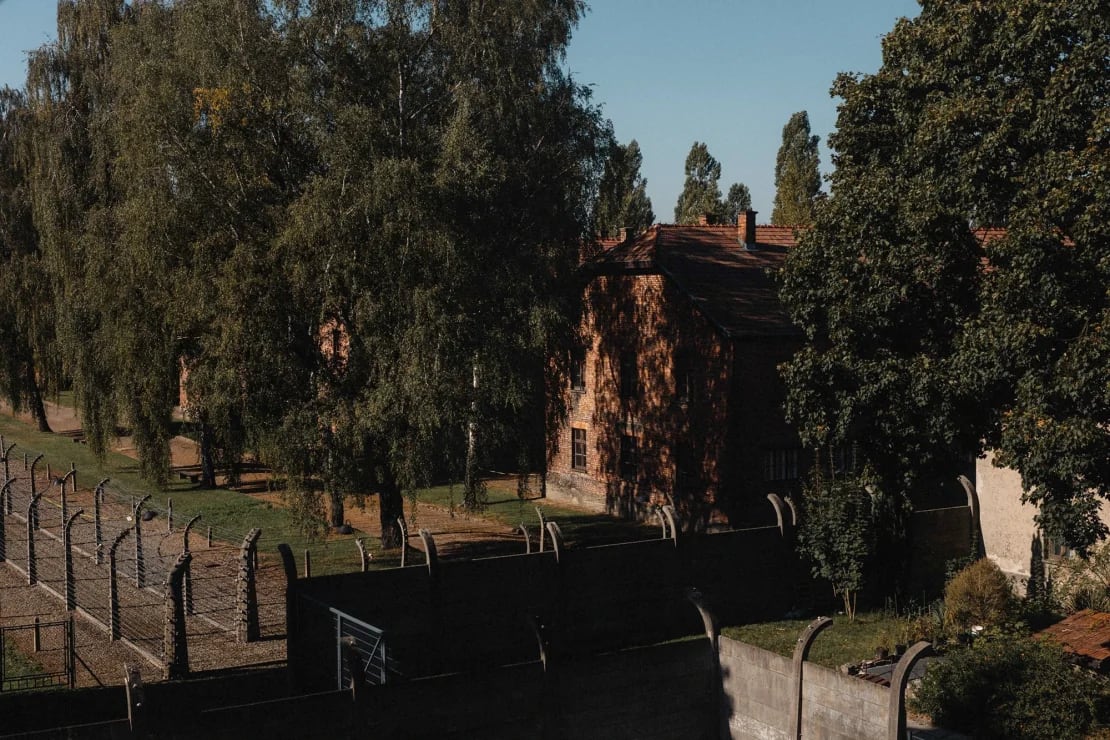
(700, 194)
(927, 339)
(797, 179)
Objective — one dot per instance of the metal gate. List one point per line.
(369, 643)
(38, 655)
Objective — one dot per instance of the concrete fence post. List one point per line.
(34, 491)
(783, 517)
(363, 554)
(246, 607)
(713, 632)
(187, 588)
(672, 521)
(32, 515)
(557, 542)
(175, 641)
(71, 478)
(801, 652)
(169, 516)
(431, 557)
(98, 533)
(137, 521)
(896, 714)
(7, 473)
(543, 527)
(5, 496)
(136, 701)
(67, 546)
(292, 649)
(404, 538)
(114, 631)
(527, 539)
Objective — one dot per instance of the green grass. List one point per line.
(16, 664)
(843, 642)
(504, 506)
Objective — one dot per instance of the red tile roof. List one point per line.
(1085, 634)
(732, 284)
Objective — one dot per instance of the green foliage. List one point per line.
(1009, 686)
(700, 196)
(739, 199)
(1084, 583)
(797, 178)
(982, 114)
(979, 595)
(622, 201)
(838, 533)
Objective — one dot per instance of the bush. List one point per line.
(980, 594)
(1009, 687)
(1084, 583)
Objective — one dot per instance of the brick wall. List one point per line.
(644, 316)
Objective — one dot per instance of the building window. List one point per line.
(780, 465)
(688, 378)
(1055, 550)
(578, 449)
(629, 378)
(578, 376)
(630, 457)
(843, 459)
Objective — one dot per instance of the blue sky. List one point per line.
(671, 72)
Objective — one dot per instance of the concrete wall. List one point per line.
(1006, 522)
(758, 698)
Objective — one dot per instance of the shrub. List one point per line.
(1009, 687)
(980, 594)
(1084, 583)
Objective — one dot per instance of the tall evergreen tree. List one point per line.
(700, 194)
(622, 199)
(797, 179)
(739, 199)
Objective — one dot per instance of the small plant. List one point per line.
(837, 533)
(1084, 583)
(1009, 686)
(979, 595)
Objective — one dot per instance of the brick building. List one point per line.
(678, 396)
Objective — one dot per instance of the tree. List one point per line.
(26, 307)
(797, 179)
(927, 339)
(622, 198)
(739, 199)
(451, 198)
(700, 195)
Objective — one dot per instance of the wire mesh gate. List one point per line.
(369, 642)
(37, 656)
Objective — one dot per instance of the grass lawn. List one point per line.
(503, 505)
(16, 664)
(843, 642)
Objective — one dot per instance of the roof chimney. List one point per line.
(703, 219)
(622, 233)
(745, 228)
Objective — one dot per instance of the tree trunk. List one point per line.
(392, 506)
(34, 398)
(207, 459)
(335, 508)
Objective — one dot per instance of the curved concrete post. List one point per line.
(137, 521)
(527, 539)
(543, 527)
(672, 521)
(67, 547)
(175, 640)
(98, 499)
(404, 538)
(896, 716)
(363, 554)
(246, 605)
(7, 472)
(557, 543)
(34, 483)
(71, 478)
(289, 567)
(973, 504)
(185, 532)
(5, 505)
(782, 516)
(430, 555)
(113, 586)
(32, 515)
(712, 630)
(793, 511)
(662, 523)
(801, 652)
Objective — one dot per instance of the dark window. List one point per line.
(578, 449)
(630, 457)
(844, 459)
(688, 378)
(578, 376)
(685, 469)
(629, 377)
(780, 464)
(1055, 550)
